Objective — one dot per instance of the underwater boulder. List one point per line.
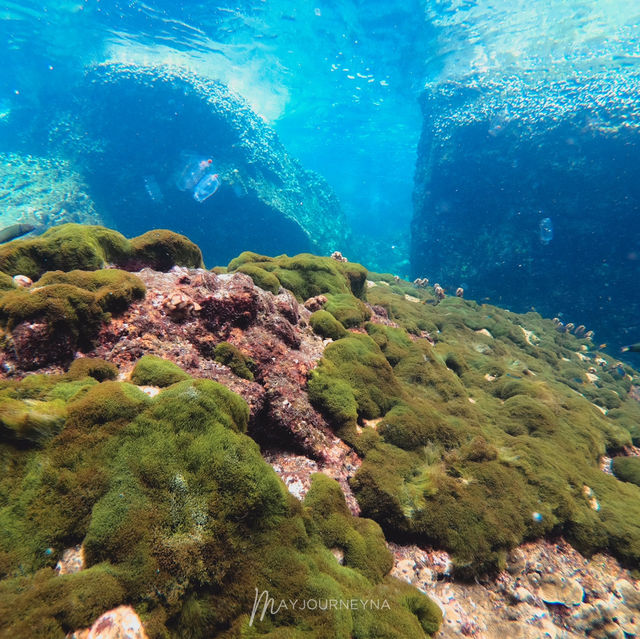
(147, 124)
(42, 192)
(520, 192)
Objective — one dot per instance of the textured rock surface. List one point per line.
(270, 329)
(516, 604)
(128, 136)
(493, 164)
(42, 192)
(120, 623)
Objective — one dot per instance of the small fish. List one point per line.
(15, 230)
(632, 348)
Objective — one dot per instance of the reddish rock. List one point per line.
(34, 345)
(316, 303)
(184, 315)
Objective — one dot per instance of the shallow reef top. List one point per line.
(474, 428)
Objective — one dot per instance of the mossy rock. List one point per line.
(6, 282)
(353, 372)
(66, 247)
(361, 540)
(231, 356)
(71, 247)
(169, 496)
(394, 343)
(627, 469)
(114, 290)
(73, 304)
(30, 420)
(326, 325)
(347, 309)
(160, 250)
(261, 277)
(94, 367)
(155, 371)
(305, 275)
(105, 403)
(410, 426)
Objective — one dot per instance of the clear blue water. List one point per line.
(341, 82)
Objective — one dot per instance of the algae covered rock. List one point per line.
(326, 325)
(162, 249)
(93, 367)
(231, 356)
(305, 275)
(66, 247)
(464, 437)
(627, 469)
(169, 494)
(31, 420)
(70, 308)
(71, 247)
(353, 380)
(155, 371)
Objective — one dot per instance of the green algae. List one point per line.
(326, 325)
(31, 420)
(155, 371)
(94, 367)
(353, 380)
(305, 275)
(347, 309)
(231, 356)
(67, 247)
(161, 249)
(487, 438)
(70, 247)
(180, 517)
(74, 304)
(627, 469)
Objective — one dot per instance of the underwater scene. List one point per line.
(320, 319)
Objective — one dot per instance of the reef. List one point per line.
(273, 435)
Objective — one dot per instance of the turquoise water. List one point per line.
(406, 109)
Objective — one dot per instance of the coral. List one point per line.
(180, 306)
(155, 371)
(232, 357)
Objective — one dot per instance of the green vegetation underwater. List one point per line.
(319, 319)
